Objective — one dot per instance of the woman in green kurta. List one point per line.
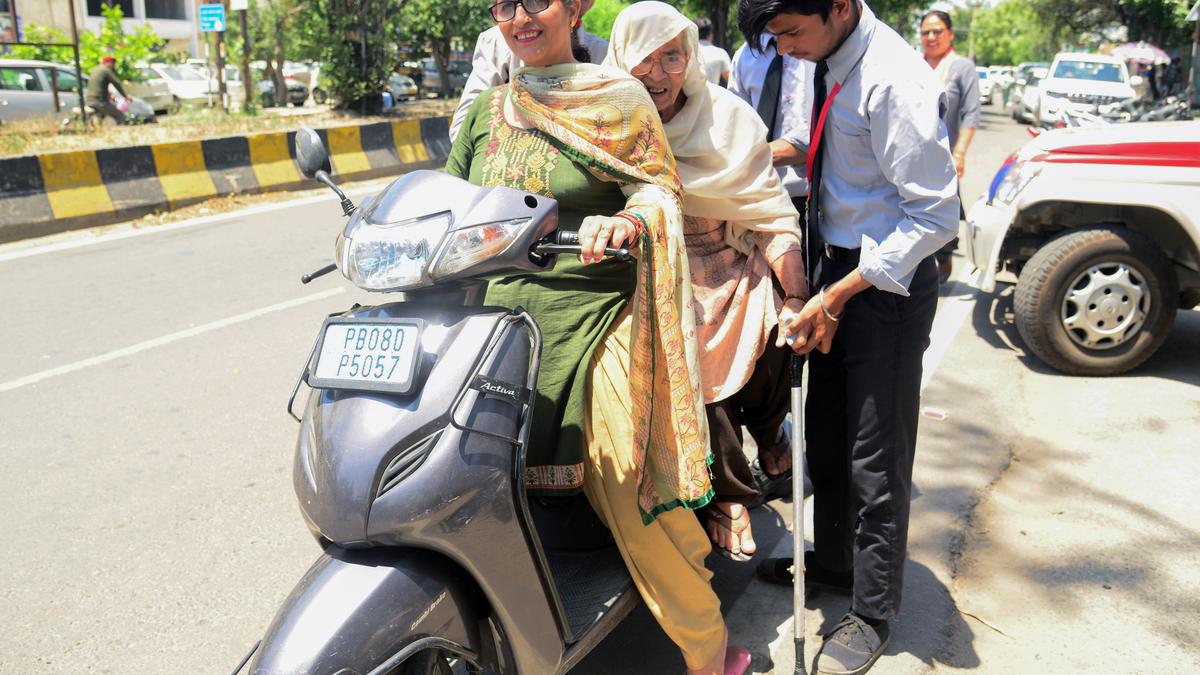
(585, 298)
(619, 412)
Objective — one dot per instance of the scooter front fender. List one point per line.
(355, 610)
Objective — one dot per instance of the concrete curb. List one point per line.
(56, 192)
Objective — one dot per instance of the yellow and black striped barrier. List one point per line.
(60, 191)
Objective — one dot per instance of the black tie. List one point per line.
(812, 230)
(768, 102)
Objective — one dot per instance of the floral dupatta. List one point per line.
(604, 120)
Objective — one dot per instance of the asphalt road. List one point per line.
(151, 526)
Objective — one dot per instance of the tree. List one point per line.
(1161, 22)
(600, 18)
(128, 48)
(434, 23)
(1011, 33)
(356, 43)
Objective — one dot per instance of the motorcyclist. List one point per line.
(99, 80)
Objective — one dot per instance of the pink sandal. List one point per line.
(737, 660)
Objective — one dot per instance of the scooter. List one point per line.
(411, 455)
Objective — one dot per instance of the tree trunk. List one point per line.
(281, 94)
(718, 11)
(441, 56)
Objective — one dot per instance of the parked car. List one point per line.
(297, 92)
(195, 86)
(1082, 83)
(986, 85)
(25, 90)
(402, 88)
(1101, 228)
(1028, 95)
(154, 90)
(431, 81)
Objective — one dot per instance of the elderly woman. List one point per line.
(619, 412)
(740, 226)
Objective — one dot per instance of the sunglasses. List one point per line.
(507, 9)
(671, 63)
(936, 32)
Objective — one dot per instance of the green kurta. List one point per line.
(573, 304)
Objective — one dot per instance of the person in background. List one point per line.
(714, 61)
(883, 200)
(963, 109)
(741, 234)
(493, 62)
(99, 80)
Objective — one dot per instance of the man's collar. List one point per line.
(851, 51)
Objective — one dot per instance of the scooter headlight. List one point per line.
(393, 256)
(471, 245)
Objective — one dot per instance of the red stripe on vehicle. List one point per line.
(1167, 153)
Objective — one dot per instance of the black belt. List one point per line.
(839, 254)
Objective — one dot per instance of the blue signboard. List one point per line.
(212, 18)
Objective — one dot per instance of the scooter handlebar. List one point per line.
(564, 241)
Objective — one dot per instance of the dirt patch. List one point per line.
(37, 136)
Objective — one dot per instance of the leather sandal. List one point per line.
(714, 515)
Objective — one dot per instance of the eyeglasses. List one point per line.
(505, 10)
(936, 32)
(671, 63)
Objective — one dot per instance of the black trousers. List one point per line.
(862, 410)
(761, 406)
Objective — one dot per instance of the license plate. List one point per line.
(367, 354)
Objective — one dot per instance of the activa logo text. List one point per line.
(494, 388)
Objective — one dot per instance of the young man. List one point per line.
(882, 200)
(493, 63)
(786, 115)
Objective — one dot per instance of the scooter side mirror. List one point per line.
(311, 154)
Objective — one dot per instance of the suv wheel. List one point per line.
(1096, 301)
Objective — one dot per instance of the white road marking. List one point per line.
(82, 238)
(167, 339)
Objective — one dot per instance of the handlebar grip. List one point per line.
(566, 238)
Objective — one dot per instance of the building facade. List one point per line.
(175, 21)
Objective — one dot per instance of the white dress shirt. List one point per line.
(493, 63)
(888, 184)
(795, 100)
(714, 61)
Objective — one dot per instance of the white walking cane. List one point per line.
(798, 447)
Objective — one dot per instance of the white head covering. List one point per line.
(718, 140)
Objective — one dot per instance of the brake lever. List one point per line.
(545, 248)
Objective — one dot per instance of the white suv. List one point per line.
(1084, 83)
(1102, 225)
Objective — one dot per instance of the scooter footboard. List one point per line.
(356, 610)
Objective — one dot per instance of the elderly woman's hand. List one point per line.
(599, 232)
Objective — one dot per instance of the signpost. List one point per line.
(212, 20)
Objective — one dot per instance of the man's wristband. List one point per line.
(828, 315)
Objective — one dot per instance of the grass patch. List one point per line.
(42, 135)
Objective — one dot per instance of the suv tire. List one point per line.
(1084, 279)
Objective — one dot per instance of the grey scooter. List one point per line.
(410, 462)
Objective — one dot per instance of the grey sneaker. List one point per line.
(852, 647)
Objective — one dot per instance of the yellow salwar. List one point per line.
(666, 556)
